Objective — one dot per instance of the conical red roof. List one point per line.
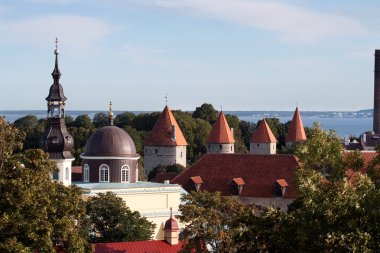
(221, 132)
(296, 131)
(263, 134)
(161, 134)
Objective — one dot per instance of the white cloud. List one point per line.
(139, 55)
(76, 32)
(291, 22)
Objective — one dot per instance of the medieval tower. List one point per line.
(262, 140)
(221, 139)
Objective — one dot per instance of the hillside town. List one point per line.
(272, 193)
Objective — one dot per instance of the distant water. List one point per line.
(342, 126)
(353, 126)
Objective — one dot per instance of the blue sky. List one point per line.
(238, 54)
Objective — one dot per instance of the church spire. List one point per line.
(56, 90)
(56, 73)
(110, 115)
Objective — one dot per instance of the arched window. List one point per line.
(104, 173)
(125, 174)
(67, 176)
(86, 173)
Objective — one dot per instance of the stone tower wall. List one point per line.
(163, 155)
(262, 148)
(214, 148)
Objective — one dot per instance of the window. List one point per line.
(55, 175)
(231, 148)
(257, 145)
(156, 151)
(220, 147)
(125, 174)
(181, 154)
(104, 173)
(67, 173)
(86, 173)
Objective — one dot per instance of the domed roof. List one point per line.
(171, 224)
(110, 141)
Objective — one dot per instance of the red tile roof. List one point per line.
(259, 172)
(161, 134)
(76, 173)
(238, 181)
(221, 132)
(197, 180)
(137, 247)
(282, 182)
(263, 134)
(296, 131)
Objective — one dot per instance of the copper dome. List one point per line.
(110, 141)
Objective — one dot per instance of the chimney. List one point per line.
(346, 139)
(376, 95)
(232, 131)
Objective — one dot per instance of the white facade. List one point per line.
(216, 148)
(64, 171)
(163, 155)
(151, 200)
(262, 148)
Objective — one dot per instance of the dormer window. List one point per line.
(280, 187)
(197, 180)
(239, 183)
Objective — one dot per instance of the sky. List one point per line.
(234, 54)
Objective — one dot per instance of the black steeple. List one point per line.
(56, 140)
(56, 90)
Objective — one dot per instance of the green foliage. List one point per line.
(100, 120)
(145, 121)
(124, 119)
(112, 221)
(246, 129)
(83, 121)
(11, 140)
(336, 211)
(206, 112)
(174, 168)
(323, 152)
(213, 220)
(37, 214)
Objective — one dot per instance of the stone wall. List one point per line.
(159, 155)
(262, 148)
(227, 148)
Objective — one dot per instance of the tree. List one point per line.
(112, 221)
(211, 220)
(83, 121)
(124, 119)
(336, 210)
(100, 120)
(11, 140)
(26, 123)
(174, 168)
(37, 214)
(206, 112)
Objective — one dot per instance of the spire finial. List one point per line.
(166, 98)
(171, 212)
(110, 114)
(56, 73)
(221, 108)
(296, 103)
